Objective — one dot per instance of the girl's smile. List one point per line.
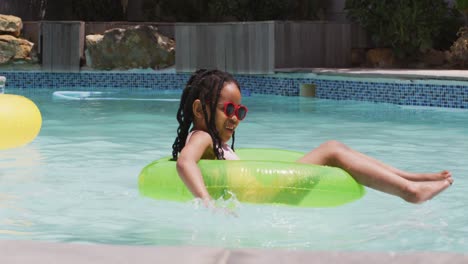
(225, 124)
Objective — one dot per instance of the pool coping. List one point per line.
(405, 74)
(39, 252)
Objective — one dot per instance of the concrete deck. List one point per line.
(19, 252)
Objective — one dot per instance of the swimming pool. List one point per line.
(77, 182)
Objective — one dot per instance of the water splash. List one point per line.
(227, 204)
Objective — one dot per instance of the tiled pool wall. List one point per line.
(437, 93)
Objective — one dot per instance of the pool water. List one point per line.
(77, 181)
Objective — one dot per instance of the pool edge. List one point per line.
(26, 251)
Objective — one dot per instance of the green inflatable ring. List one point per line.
(265, 176)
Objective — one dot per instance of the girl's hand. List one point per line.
(218, 208)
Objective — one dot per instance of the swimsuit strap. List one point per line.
(229, 154)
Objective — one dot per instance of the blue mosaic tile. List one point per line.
(420, 94)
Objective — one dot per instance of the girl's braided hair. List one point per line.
(205, 85)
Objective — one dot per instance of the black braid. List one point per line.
(202, 85)
(217, 147)
(233, 138)
(185, 114)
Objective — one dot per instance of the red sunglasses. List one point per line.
(231, 109)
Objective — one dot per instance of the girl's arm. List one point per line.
(187, 164)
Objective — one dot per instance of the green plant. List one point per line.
(247, 10)
(240, 10)
(462, 5)
(409, 27)
(450, 27)
(85, 10)
(103, 10)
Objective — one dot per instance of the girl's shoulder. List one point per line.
(198, 135)
(200, 139)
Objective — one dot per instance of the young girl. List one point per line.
(210, 111)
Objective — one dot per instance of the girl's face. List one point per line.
(225, 124)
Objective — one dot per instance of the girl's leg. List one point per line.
(437, 176)
(373, 174)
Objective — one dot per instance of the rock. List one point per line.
(458, 54)
(137, 47)
(434, 58)
(380, 58)
(11, 25)
(358, 57)
(14, 49)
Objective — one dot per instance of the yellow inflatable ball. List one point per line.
(20, 121)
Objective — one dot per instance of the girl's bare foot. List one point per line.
(422, 191)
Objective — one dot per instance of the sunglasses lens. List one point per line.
(241, 112)
(230, 108)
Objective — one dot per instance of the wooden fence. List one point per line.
(237, 47)
(234, 47)
(62, 45)
(262, 47)
(312, 44)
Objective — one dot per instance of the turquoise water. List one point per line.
(77, 182)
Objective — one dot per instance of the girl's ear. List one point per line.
(197, 109)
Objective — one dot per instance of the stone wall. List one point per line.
(13, 49)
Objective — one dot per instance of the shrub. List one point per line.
(462, 5)
(409, 27)
(458, 55)
(240, 10)
(85, 10)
